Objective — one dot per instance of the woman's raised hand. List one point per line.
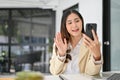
(93, 45)
(60, 44)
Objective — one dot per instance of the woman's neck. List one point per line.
(75, 40)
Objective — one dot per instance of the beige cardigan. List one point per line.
(86, 63)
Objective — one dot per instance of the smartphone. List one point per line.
(89, 27)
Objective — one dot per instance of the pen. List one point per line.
(62, 78)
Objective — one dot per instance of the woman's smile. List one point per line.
(75, 30)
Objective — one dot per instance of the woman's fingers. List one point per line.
(61, 44)
(93, 45)
(87, 38)
(94, 35)
(88, 42)
(59, 37)
(65, 41)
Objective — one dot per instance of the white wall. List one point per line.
(91, 11)
(63, 4)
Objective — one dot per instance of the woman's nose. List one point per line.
(74, 24)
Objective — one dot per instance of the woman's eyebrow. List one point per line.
(76, 18)
(71, 20)
(68, 20)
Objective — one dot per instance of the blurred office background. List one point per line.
(27, 29)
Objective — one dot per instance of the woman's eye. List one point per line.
(77, 21)
(69, 22)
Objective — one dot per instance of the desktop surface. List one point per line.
(101, 76)
(54, 77)
(68, 77)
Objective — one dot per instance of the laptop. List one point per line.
(107, 76)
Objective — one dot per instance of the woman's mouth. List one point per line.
(75, 30)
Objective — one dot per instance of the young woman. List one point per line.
(73, 51)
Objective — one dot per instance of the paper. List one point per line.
(77, 77)
(69, 77)
(51, 77)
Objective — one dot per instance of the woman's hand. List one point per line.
(93, 45)
(60, 44)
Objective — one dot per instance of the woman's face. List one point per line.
(74, 25)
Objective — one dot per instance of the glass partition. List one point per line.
(115, 31)
(27, 34)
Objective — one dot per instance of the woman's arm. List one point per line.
(93, 67)
(56, 65)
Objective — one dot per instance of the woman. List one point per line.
(73, 51)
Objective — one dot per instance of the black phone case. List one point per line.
(89, 27)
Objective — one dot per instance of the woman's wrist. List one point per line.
(62, 54)
(97, 62)
(97, 58)
(62, 58)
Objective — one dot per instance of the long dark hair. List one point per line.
(63, 30)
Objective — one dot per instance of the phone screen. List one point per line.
(89, 27)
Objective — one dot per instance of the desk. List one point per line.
(55, 77)
(51, 77)
(101, 76)
(69, 77)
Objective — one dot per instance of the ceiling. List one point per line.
(45, 4)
